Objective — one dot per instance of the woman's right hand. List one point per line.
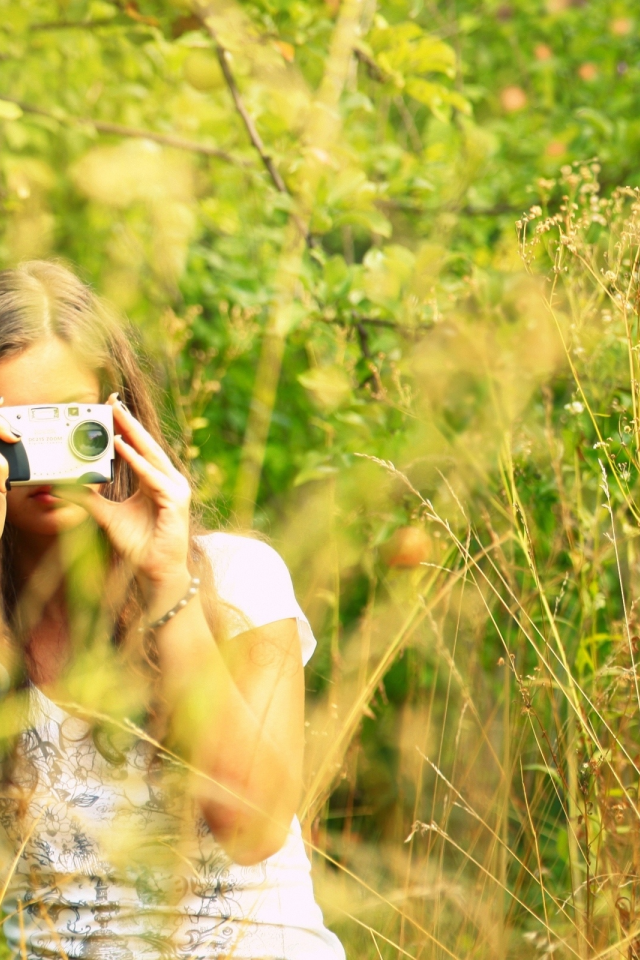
(7, 434)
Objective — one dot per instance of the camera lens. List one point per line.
(89, 440)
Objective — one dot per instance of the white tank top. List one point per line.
(119, 864)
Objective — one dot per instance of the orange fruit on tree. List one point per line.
(407, 547)
(513, 99)
(542, 52)
(621, 26)
(587, 71)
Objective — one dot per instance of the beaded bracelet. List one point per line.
(189, 595)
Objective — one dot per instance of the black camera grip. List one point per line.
(16, 456)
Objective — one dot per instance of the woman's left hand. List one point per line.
(149, 530)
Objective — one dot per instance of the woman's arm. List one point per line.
(237, 714)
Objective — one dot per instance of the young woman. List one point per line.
(152, 714)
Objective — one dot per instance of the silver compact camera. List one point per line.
(60, 443)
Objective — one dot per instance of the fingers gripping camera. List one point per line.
(60, 443)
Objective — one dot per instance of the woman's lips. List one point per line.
(44, 496)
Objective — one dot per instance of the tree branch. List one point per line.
(249, 124)
(363, 337)
(321, 131)
(409, 123)
(378, 74)
(118, 129)
(360, 325)
(130, 9)
(247, 119)
(374, 71)
(359, 321)
(168, 139)
(77, 24)
(363, 340)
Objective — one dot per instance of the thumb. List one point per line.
(90, 500)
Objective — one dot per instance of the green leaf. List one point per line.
(406, 49)
(320, 472)
(15, 17)
(458, 102)
(425, 56)
(383, 38)
(598, 119)
(321, 221)
(9, 111)
(370, 219)
(434, 95)
(316, 466)
(99, 10)
(337, 276)
(199, 423)
(347, 185)
(329, 386)
(431, 94)
(288, 316)
(387, 273)
(542, 768)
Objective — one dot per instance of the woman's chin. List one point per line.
(53, 519)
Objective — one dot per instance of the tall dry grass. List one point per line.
(473, 757)
(473, 726)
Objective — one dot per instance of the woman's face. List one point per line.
(47, 372)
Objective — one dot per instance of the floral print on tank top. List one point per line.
(115, 851)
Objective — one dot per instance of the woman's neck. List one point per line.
(41, 612)
(41, 565)
(32, 551)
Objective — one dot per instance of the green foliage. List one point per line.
(413, 335)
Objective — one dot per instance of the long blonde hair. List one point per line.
(41, 299)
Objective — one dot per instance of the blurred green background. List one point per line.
(449, 115)
(308, 207)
